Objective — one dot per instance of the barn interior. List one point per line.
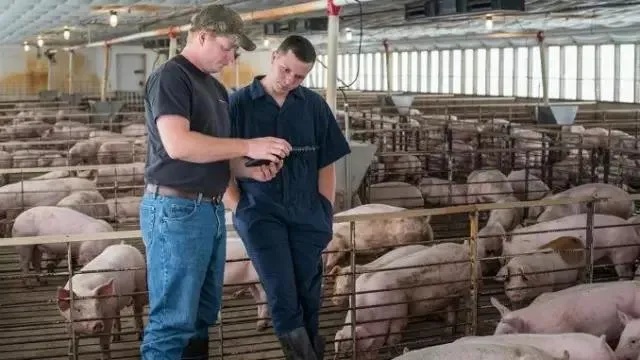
(473, 135)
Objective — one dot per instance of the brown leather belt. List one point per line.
(169, 191)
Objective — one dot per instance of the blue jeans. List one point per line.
(185, 244)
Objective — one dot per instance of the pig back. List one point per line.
(433, 286)
(470, 351)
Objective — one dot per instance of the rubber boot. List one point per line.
(318, 347)
(296, 345)
(197, 349)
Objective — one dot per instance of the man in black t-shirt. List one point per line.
(187, 171)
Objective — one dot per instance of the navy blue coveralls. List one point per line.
(286, 223)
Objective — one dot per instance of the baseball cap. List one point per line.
(223, 21)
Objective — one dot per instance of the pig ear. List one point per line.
(502, 274)
(64, 301)
(501, 308)
(105, 289)
(565, 355)
(624, 317)
(520, 271)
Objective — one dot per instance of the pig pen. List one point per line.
(32, 328)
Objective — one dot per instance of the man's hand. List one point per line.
(268, 148)
(265, 172)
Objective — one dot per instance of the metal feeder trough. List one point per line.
(559, 114)
(105, 112)
(72, 99)
(49, 95)
(362, 155)
(396, 104)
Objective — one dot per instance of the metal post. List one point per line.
(352, 296)
(333, 13)
(472, 322)
(49, 75)
(543, 67)
(71, 56)
(105, 76)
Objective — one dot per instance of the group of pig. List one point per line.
(415, 279)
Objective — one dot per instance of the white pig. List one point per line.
(487, 186)
(472, 351)
(620, 205)
(580, 346)
(535, 188)
(593, 311)
(416, 287)
(124, 207)
(372, 235)
(29, 193)
(53, 220)
(526, 276)
(611, 238)
(629, 345)
(90, 203)
(123, 286)
(343, 283)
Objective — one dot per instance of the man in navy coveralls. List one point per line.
(286, 223)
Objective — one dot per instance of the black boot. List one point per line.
(318, 347)
(197, 349)
(296, 345)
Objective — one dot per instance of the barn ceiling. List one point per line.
(563, 21)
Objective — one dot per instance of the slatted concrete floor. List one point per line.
(31, 327)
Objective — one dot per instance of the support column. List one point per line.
(71, 53)
(543, 67)
(333, 13)
(105, 75)
(173, 44)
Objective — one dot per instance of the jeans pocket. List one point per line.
(180, 210)
(147, 222)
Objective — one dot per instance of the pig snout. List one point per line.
(97, 327)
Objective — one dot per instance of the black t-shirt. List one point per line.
(177, 87)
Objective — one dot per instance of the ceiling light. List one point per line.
(488, 23)
(66, 34)
(40, 42)
(266, 43)
(26, 46)
(348, 34)
(113, 19)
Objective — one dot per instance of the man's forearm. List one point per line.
(327, 182)
(199, 148)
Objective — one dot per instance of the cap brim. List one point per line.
(246, 43)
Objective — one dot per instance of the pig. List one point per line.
(409, 292)
(343, 283)
(240, 274)
(487, 186)
(88, 202)
(629, 345)
(436, 191)
(477, 351)
(130, 174)
(620, 205)
(592, 311)
(508, 218)
(123, 207)
(489, 245)
(404, 168)
(580, 346)
(115, 152)
(53, 220)
(371, 235)
(527, 276)
(134, 130)
(125, 288)
(70, 132)
(27, 129)
(57, 174)
(29, 193)
(83, 151)
(532, 189)
(611, 238)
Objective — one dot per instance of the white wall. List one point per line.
(22, 68)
